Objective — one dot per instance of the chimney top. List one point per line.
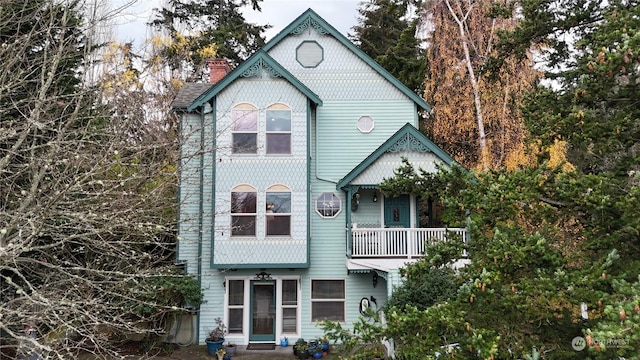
(218, 68)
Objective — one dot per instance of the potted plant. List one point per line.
(231, 349)
(325, 345)
(301, 349)
(221, 353)
(215, 339)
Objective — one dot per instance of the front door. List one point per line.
(263, 311)
(396, 212)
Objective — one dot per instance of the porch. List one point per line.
(404, 243)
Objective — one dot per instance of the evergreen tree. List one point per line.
(202, 24)
(590, 50)
(387, 32)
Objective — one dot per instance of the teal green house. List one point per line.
(280, 215)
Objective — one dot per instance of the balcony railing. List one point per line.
(400, 242)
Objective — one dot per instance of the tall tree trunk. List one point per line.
(484, 153)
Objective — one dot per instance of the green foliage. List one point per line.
(165, 294)
(361, 343)
(427, 287)
(387, 33)
(211, 22)
(593, 103)
(542, 242)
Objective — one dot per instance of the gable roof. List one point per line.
(310, 19)
(251, 67)
(407, 138)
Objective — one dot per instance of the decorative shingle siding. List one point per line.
(261, 171)
(388, 162)
(340, 76)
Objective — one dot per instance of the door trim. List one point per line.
(271, 337)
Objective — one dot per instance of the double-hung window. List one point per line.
(235, 305)
(244, 129)
(278, 129)
(278, 211)
(243, 211)
(328, 300)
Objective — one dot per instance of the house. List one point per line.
(280, 214)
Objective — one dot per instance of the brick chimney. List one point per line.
(218, 68)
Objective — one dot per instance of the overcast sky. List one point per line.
(342, 14)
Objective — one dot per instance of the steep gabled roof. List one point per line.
(310, 19)
(251, 67)
(407, 138)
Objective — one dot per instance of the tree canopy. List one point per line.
(387, 31)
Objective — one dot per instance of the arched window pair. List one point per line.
(244, 211)
(245, 129)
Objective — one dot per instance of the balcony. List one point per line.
(405, 243)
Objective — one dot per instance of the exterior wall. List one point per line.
(349, 89)
(389, 162)
(261, 171)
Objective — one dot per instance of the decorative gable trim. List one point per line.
(309, 23)
(254, 66)
(408, 138)
(310, 19)
(257, 68)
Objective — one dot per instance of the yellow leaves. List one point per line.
(208, 51)
(558, 156)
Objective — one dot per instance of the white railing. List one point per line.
(400, 242)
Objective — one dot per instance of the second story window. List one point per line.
(243, 211)
(244, 129)
(278, 212)
(278, 118)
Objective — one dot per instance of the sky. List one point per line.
(342, 14)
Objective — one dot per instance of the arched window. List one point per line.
(243, 210)
(278, 118)
(278, 212)
(244, 129)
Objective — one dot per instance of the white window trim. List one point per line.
(311, 300)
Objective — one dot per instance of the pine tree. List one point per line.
(387, 32)
(202, 24)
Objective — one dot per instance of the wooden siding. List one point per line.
(341, 146)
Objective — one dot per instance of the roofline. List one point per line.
(375, 155)
(299, 24)
(246, 69)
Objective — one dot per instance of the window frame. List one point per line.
(248, 108)
(230, 307)
(277, 189)
(343, 300)
(322, 211)
(295, 306)
(267, 132)
(248, 189)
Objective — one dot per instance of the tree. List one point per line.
(593, 104)
(205, 23)
(477, 116)
(387, 32)
(87, 214)
(542, 243)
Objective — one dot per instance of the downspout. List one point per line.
(309, 209)
(200, 217)
(213, 177)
